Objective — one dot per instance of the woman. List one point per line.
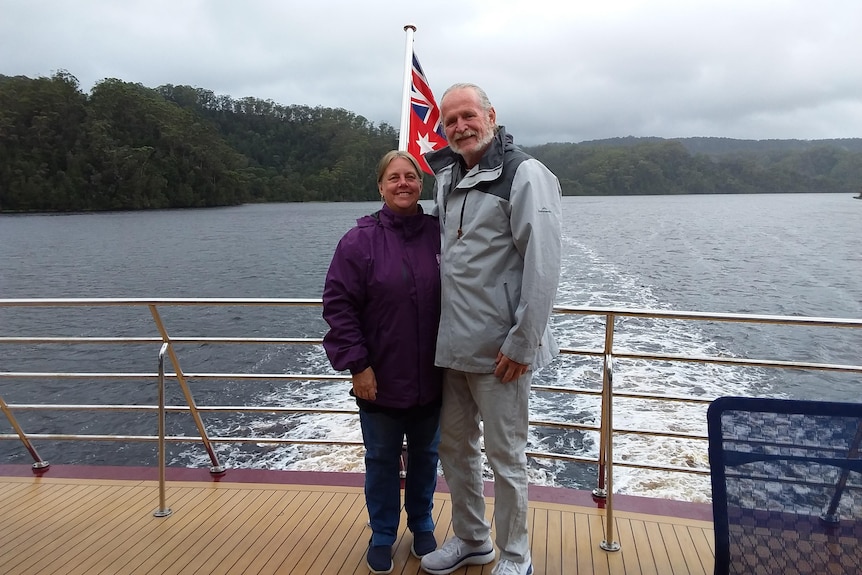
(382, 303)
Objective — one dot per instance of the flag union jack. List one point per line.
(426, 131)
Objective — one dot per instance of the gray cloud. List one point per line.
(581, 71)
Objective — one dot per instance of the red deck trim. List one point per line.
(632, 503)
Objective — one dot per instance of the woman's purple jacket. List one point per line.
(382, 303)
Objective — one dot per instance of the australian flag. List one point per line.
(425, 132)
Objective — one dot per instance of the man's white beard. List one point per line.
(481, 142)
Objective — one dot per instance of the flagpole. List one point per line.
(409, 29)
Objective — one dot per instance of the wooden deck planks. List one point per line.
(129, 539)
(75, 527)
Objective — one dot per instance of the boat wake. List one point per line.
(588, 280)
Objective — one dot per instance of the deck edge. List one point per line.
(545, 494)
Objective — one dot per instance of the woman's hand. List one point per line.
(365, 384)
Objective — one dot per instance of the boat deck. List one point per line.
(63, 523)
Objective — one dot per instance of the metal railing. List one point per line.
(607, 352)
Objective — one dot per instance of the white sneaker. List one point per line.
(509, 567)
(456, 553)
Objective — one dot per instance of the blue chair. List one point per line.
(786, 486)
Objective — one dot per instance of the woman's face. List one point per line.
(400, 187)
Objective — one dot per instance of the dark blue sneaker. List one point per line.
(379, 559)
(423, 543)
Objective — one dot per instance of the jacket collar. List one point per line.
(389, 219)
(491, 161)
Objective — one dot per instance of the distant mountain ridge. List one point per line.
(703, 165)
(715, 146)
(124, 146)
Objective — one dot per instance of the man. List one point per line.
(499, 212)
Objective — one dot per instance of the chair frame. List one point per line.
(723, 457)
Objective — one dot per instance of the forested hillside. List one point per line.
(657, 166)
(125, 146)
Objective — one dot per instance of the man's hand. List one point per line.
(508, 369)
(365, 384)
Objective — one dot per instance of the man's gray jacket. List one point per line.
(500, 257)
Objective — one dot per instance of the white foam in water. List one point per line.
(604, 285)
(587, 279)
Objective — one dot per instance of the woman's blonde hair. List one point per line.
(389, 156)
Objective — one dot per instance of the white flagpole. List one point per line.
(408, 81)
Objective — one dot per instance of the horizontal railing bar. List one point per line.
(622, 394)
(654, 433)
(619, 355)
(109, 302)
(255, 340)
(177, 408)
(576, 351)
(628, 464)
(180, 439)
(77, 437)
(711, 316)
(285, 441)
(666, 468)
(737, 361)
(201, 376)
(76, 375)
(158, 340)
(346, 443)
(314, 411)
(85, 407)
(293, 376)
(661, 397)
(748, 362)
(743, 361)
(577, 310)
(563, 425)
(572, 390)
(562, 457)
(617, 430)
(80, 340)
(261, 409)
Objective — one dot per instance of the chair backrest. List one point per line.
(786, 486)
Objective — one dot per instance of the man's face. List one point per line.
(468, 127)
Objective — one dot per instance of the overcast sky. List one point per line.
(555, 70)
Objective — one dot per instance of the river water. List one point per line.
(781, 254)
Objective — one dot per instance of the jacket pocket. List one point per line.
(509, 303)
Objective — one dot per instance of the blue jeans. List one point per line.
(383, 435)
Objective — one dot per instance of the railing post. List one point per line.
(216, 468)
(608, 544)
(607, 398)
(163, 510)
(830, 515)
(40, 464)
